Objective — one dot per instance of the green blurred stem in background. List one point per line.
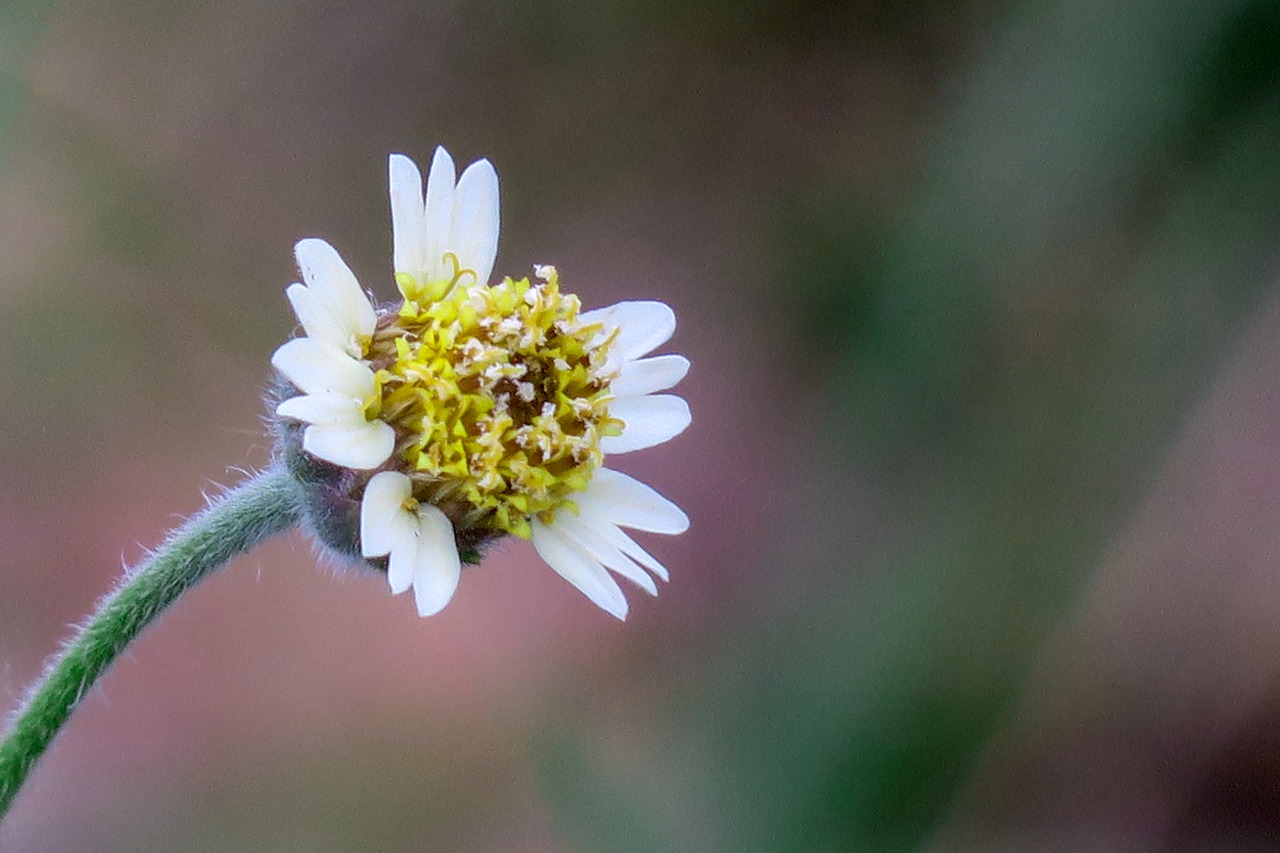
(231, 525)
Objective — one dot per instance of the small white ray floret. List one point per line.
(576, 565)
(628, 502)
(320, 368)
(331, 306)
(581, 548)
(338, 430)
(648, 421)
(327, 365)
(416, 537)
(452, 230)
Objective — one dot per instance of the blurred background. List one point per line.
(983, 307)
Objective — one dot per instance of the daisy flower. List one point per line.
(470, 410)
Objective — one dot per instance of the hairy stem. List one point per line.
(230, 525)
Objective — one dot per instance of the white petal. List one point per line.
(475, 219)
(358, 447)
(628, 546)
(437, 565)
(317, 367)
(573, 564)
(407, 215)
(630, 503)
(643, 326)
(332, 409)
(615, 536)
(315, 317)
(383, 518)
(386, 527)
(334, 284)
(402, 560)
(648, 421)
(649, 375)
(437, 222)
(598, 546)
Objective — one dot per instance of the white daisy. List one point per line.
(490, 407)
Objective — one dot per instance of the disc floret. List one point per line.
(498, 396)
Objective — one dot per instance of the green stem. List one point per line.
(230, 525)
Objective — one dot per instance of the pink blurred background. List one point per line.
(980, 301)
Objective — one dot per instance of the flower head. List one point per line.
(470, 410)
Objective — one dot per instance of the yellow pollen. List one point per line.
(498, 398)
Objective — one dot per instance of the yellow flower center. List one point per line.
(498, 398)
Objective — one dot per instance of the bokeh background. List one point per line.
(983, 303)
